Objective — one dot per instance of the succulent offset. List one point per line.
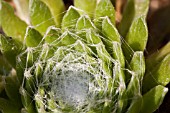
(77, 61)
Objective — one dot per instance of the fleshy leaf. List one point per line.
(88, 6)
(128, 16)
(40, 15)
(156, 57)
(160, 75)
(67, 38)
(84, 23)
(105, 8)
(93, 37)
(137, 35)
(137, 64)
(133, 9)
(57, 8)
(7, 107)
(109, 30)
(33, 37)
(11, 24)
(5, 67)
(153, 99)
(52, 34)
(135, 105)
(133, 88)
(105, 57)
(12, 89)
(118, 53)
(70, 19)
(10, 49)
(27, 101)
(141, 8)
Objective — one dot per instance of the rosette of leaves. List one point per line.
(77, 62)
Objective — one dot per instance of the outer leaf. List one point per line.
(105, 8)
(137, 64)
(106, 62)
(160, 75)
(33, 37)
(70, 19)
(118, 53)
(135, 105)
(5, 67)
(110, 31)
(119, 84)
(133, 88)
(93, 37)
(88, 6)
(128, 16)
(57, 8)
(27, 101)
(10, 49)
(137, 35)
(67, 38)
(40, 15)
(7, 107)
(134, 9)
(2, 84)
(84, 23)
(156, 57)
(12, 90)
(11, 24)
(153, 99)
(52, 34)
(141, 8)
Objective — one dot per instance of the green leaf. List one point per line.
(134, 88)
(92, 37)
(2, 84)
(153, 99)
(67, 38)
(105, 8)
(156, 57)
(159, 75)
(5, 67)
(7, 107)
(119, 86)
(27, 101)
(70, 19)
(88, 6)
(133, 9)
(33, 37)
(39, 101)
(52, 34)
(106, 59)
(84, 23)
(128, 16)
(138, 35)
(137, 64)
(118, 53)
(109, 30)
(12, 90)
(135, 105)
(57, 9)
(10, 49)
(141, 8)
(11, 24)
(40, 15)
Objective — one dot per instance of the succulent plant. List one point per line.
(76, 61)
